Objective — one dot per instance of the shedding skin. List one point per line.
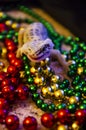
(36, 45)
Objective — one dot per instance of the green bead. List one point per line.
(2, 37)
(44, 106)
(35, 96)
(82, 106)
(9, 36)
(84, 101)
(26, 67)
(71, 73)
(72, 52)
(33, 88)
(72, 43)
(66, 91)
(68, 39)
(71, 108)
(84, 48)
(77, 39)
(61, 106)
(81, 54)
(62, 86)
(11, 32)
(75, 82)
(51, 108)
(78, 87)
(84, 71)
(84, 61)
(16, 34)
(70, 92)
(66, 82)
(24, 58)
(82, 44)
(27, 72)
(84, 90)
(73, 66)
(30, 80)
(78, 94)
(39, 102)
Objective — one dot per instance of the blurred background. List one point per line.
(71, 14)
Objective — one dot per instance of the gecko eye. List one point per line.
(29, 49)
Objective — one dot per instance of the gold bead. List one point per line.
(32, 70)
(4, 52)
(75, 126)
(59, 94)
(42, 63)
(44, 91)
(15, 25)
(62, 127)
(55, 78)
(1, 14)
(37, 80)
(73, 99)
(47, 61)
(54, 87)
(80, 70)
(8, 22)
(47, 70)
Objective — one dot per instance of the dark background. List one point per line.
(70, 13)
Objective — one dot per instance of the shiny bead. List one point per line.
(62, 127)
(75, 126)
(22, 92)
(1, 14)
(1, 65)
(8, 22)
(32, 88)
(39, 102)
(8, 92)
(47, 120)
(80, 115)
(32, 70)
(59, 94)
(12, 122)
(11, 55)
(73, 99)
(11, 70)
(44, 91)
(55, 78)
(37, 80)
(2, 27)
(5, 82)
(63, 115)
(44, 106)
(30, 123)
(71, 108)
(80, 70)
(54, 87)
(15, 25)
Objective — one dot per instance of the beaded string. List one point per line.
(76, 94)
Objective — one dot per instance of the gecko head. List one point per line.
(38, 50)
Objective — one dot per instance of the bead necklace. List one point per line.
(75, 95)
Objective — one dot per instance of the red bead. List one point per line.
(5, 82)
(14, 81)
(11, 48)
(11, 55)
(11, 70)
(8, 92)
(80, 116)
(3, 104)
(30, 123)
(63, 116)
(9, 42)
(22, 92)
(12, 122)
(2, 27)
(47, 120)
(2, 76)
(3, 114)
(18, 63)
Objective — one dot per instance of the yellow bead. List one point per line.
(32, 70)
(44, 91)
(21, 28)
(15, 25)
(1, 14)
(4, 52)
(37, 80)
(22, 75)
(54, 87)
(75, 126)
(55, 78)
(59, 94)
(62, 127)
(73, 99)
(8, 22)
(80, 70)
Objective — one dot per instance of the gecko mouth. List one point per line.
(42, 53)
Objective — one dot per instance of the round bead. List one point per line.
(62, 127)
(75, 126)
(59, 94)
(22, 92)
(63, 116)
(3, 104)
(47, 120)
(12, 122)
(30, 123)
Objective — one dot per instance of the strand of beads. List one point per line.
(75, 96)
